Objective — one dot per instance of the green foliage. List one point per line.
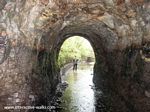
(75, 47)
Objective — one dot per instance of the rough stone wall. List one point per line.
(35, 30)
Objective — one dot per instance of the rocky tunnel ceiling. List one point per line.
(28, 19)
(36, 30)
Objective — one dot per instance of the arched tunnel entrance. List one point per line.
(102, 40)
(116, 70)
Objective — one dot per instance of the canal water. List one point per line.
(79, 95)
(82, 96)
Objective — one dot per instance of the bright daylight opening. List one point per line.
(76, 47)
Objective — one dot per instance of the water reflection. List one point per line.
(79, 96)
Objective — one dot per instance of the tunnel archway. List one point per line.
(114, 63)
(102, 39)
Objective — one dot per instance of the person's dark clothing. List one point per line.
(75, 64)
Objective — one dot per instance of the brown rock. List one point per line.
(137, 2)
(44, 2)
(147, 94)
(131, 13)
(2, 4)
(119, 2)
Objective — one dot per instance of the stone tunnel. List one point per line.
(118, 30)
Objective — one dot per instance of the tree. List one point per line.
(75, 47)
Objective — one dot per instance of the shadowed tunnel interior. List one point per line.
(33, 31)
(114, 69)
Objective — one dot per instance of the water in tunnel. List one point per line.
(81, 93)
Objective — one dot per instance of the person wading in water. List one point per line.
(75, 64)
